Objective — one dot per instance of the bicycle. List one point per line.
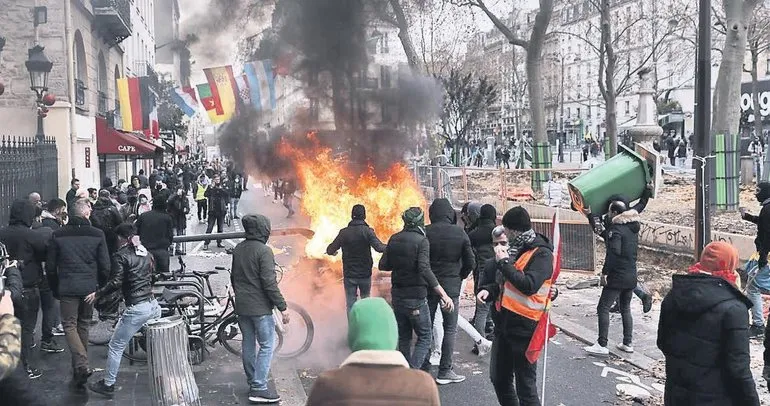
(217, 321)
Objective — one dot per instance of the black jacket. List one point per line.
(155, 229)
(178, 207)
(703, 332)
(451, 255)
(78, 261)
(762, 241)
(24, 244)
(106, 217)
(356, 241)
(481, 242)
(253, 275)
(218, 200)
(235, 187)
(407, 256)
(131, 275)
(71, 197)
(621, 238)
(528, 282)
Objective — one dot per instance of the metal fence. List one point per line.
(26, 166)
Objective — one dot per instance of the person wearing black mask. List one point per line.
(357, 241)
(481, 241)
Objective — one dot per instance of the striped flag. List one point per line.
(184, 97)
(243, 89)
(136, 102)
(224, 91)
(544, 327)
(211, 104)
(261, 80)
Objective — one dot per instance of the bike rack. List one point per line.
(201, 303)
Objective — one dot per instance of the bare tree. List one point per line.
(394, 13)
(440, 37)
(534, 61)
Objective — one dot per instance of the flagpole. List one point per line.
(545, 358)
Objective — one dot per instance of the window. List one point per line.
(384, 48)
(568, 113)
(767, 66)
(628, 107)
(589, 111)
(386, 112)
(313, 109)
(81, 72)
(385, 77)
(578, 109)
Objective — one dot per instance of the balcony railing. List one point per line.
(101, 105)
(80, 93)
(113, 19)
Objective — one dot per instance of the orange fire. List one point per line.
(330, 189)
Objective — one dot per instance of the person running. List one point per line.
(407, 257)
(131, 275)
(356, 241)
(256, 294)
(452, 260)
(518, 282)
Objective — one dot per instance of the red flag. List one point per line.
(537, 342)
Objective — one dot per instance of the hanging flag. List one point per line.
(223, 89)
(545, 330)
(184, 97)
(261, 80)
(211, 104)
(243, 89)
(135, 105)
(153, 130)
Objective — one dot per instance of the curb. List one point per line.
(588, 336)
(288, 385)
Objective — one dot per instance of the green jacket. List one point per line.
(253, 271)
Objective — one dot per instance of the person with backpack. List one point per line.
(106, 217)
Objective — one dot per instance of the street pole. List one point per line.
(702, 127)
(562, 134)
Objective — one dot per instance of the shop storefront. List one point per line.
(122, 154)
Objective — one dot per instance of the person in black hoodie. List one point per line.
(106, 217)
(235, 189)
(28, 247)
(519, 282)
(703, 333)
(481, 242)
(357, 241)
(762, 244)
(407, 256)
(452, 260)
(218, 199)
(178, 208)
(155, 229)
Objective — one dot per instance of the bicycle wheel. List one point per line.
(229, 334)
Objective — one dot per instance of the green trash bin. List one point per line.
(627, 174)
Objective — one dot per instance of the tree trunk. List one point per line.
(726, 110)
(403, 34)
(607, 84)
(755, 89)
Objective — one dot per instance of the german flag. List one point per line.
(136, 103)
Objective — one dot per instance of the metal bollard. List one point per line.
(171, 379)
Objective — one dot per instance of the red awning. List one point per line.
(110, 141)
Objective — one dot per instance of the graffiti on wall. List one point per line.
(674, 237)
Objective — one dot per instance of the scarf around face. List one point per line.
(522, 240)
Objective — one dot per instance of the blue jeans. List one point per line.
(450, 331)
(753, 293)
(413, 315)
(234, 206)
(257, 365)
(132, 320)
(355, 287)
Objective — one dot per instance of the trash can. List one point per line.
(627, 174)
(171, 379)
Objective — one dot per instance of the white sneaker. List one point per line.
(484, 346)
(597, 349)
(625, 348)
(435, 357)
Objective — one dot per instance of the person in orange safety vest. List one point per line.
(518, 281)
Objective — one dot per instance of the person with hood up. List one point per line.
(407, 257)
(469, 214)
(481, 242)
(156, 231)
(131, 280)
(356, 241)
(703, 333)
(451, 260)
(518, 281)
(620, 232)
(256, 294)
(106, 217)
(178, 208)
(762, 244)
(28, 248)
(375, 373)
(78, 263)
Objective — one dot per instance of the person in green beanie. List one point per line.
(407, 256)
(375, 372)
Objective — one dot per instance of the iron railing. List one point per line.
(80, 93)
(26, 166)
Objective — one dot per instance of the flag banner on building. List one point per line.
(223, 90)
(261, 80)
(153, 129)
(136, 103)
(243, 89)
(545, 330)
(212, 105)
(184, 97)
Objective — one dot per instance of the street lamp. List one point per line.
(39, 67)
